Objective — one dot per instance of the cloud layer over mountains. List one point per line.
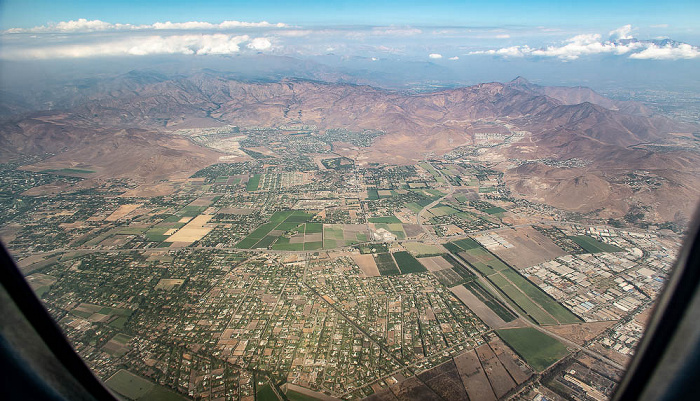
(84, 38)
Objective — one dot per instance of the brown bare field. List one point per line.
(473, 377)
(413, 389)
(412, 230)
(529, 247)
(192, 231)
(168, 283)
(150, 190)
(517, 368)
(482, 311)
(445, 381)
(202, 201)
(622, 359)
(498, 376)
(122, 211)
(297, 239)
(315, 237)
(350, 231)
(236, 210)
(435, 263)
(37, 280)
(384, 394)
(581, 332)
(366, 264)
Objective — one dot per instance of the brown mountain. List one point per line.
(610, 135)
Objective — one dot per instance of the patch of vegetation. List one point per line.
(386, 219)
(338, 163)
(495, 210)
(407, 263)
(554, 308)
(536, 348)
(517, 297)
(467, 244)
(372, 194)
(489, 300)
(385, 264)
(266, 393)
(592, 245)
(253, 183)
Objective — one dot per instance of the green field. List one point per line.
(394, 228)
(456, 266)
(313, 228)
(421, 249)
(296, 396)
(517, 296)
(521, 293)
(407, 263)
(253, 183)
(155, 234)
(489, 300)
(443, 210)
(466, 244)
(191, 211)
(386, 219)
(538, 349)
(385, 264)
(136, 388)
(483, 261)
(372, 194)
(265, 393)
(554, 308)
(312, 246)
(592, 245)
(495, 210)
(284, 221)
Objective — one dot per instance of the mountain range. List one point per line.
(122, 126)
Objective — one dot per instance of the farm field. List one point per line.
(420, 249)
(386, 219)
(490, 301)
(136, 388)
(253, 183)
(407, 263)
(339, 235)
(538, 349)
(527, 247)
(593, 245)
(385, 264)
(280, 222)
(521, 293)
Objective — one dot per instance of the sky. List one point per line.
(497, 35)
(591, 13)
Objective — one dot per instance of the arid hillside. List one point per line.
(123, 127)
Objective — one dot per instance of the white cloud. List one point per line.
(622, 32)
(668, 52)
(435, 55)
(503, 36)
(84, 25)
(592, 44)
(393, 31)
(455, 58)
(137, 46)
(260, 44)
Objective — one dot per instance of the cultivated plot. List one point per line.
(537, 348)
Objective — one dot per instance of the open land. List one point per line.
(270, 273)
